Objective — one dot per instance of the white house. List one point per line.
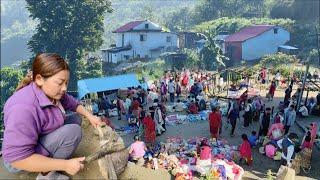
(140, 39)
(256, 41)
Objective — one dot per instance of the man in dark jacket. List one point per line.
(287, 146)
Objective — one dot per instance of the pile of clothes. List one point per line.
(175, 119)
(113, 112)
(203, 115)
(179, 156)
(125, 130)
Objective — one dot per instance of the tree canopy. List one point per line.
(68, 27)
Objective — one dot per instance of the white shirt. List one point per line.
(171, 87)
(289, 151)
(278, 76)
(304, 111)
(221, 81)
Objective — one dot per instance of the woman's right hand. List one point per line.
(73, 166)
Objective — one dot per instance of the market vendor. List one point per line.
(38, 135)
(137, 149)
(205, 157)
(287, 146)
(193, 109)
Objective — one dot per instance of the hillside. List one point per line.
(17, 28)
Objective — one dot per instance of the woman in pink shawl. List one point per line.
(309, 138)
(276, 131)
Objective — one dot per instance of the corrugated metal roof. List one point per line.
(248, 32)
(127, 27)
(107, 83)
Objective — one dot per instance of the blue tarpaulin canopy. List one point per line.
(94, 85)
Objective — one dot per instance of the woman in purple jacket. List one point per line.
(38, 136)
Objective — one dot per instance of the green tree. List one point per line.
(91, 68)
(69, 28)
(148, 13)
(211, 55)
(10, 78)
(193, 59)
(300, 10)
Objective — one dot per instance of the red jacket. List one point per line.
(245, 150)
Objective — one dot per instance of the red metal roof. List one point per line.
(248, 32)
(127, 27)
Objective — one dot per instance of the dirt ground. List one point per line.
(260, 166)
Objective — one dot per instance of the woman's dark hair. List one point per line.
(308, 137)
(46, 65)
(244, 137)
(293, 136)
(136, 138)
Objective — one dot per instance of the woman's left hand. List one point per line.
(95, 121)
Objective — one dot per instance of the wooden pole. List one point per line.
(303, 84)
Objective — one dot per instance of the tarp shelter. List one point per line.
(108, 83)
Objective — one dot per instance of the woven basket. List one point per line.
(306, 156)
(296, 164)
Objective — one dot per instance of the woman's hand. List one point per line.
(73, 166)
(95, 121)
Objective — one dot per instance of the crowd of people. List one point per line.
(190, 92)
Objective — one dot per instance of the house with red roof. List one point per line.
(254, 42)
(140, 40)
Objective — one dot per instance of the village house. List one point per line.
(140, 40)
(254, 42)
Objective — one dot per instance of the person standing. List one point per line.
(272, 89)
(248, 114)
(264, 122)
(287, 96)
(149, 129)
(289, 118)
(178, 89)
(233, 115)
(277, 77)
(163, 91)
(171, 89)
(159, 120)
(215, 122)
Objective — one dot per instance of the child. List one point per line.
(253, 139)
(245, 150)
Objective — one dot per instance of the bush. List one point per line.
(193, 59)
(232, 25)
(278, 59)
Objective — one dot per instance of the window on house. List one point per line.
(126, 57)
(168, 38)
(143, 37)
(146, 26)
(275, 30)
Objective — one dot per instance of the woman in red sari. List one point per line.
(215, 121)
(149, 129)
